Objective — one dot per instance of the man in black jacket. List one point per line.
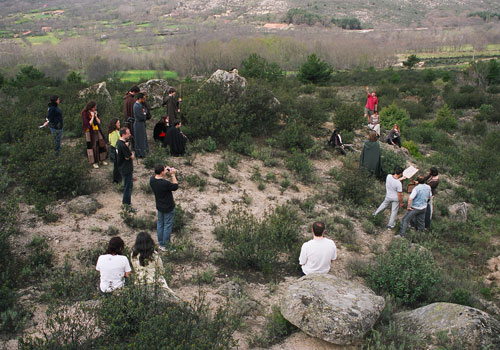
(126, 166)
(165, 204)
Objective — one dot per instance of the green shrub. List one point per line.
(256, 66)
(250, 243)
(487, 112)
(412, 148)
(462, 297)
(416, 110)
(314, 70)
(300, 165)
(406, 272)
(309, 112)
(386, 94)
(348, 116)
(39, 260)
(244, 145)
(445, 119)
(295, 135)
(157, 155)
(221, 172)
(391, 160)
(276, 329)
(354, 184)
(393, 115)
(195, 180)
(205, 145)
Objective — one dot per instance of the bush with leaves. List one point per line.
(295, 135)
(300, 165)
(314, 70)
(226, 115)
(250, 243)
(407, 272)
(348, 116)
(276, 329)
(256, 66)
(445, 119)
(391, 115)
(411, 61)
(354, 183)
(390, 160)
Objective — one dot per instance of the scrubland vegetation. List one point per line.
(449, 119)
(448, 112)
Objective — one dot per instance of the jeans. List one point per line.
(394, 203)
(164, 226)
(128, 184)
(57, 135)
(415, 217)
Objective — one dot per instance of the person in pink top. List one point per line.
(371, 103)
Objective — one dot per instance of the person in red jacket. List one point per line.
(371, 103)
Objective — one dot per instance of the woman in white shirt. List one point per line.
(113, 266)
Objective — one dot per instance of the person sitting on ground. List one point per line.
(432, 179)
(370, 156)
(417, 204)
(146, 262)
(336, 141)
(317, 254)
(113, 266)
(96, 143)
(160, 130)
(394, 137)
(176, 139)
(393, 196)
(374, 123)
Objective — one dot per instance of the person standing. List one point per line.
(96, 144)
(317, 254)
(113, 266)
(128, 109)
(55, 122)
(113, 137)
(371, 103)
(176, 139)
(432, 179)
(370, 156)
(126, 166)
(165, 204)
(417, 204)
(173, 104)
(393, 196)
(140, 116)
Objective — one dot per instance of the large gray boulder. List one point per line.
(331, 308)
(156, 89)
(98, 89)
(469, 327)
(232, 81)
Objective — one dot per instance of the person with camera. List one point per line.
(126, 167)
(165, 204)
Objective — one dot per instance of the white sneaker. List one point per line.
(162, 248)
(95, 166)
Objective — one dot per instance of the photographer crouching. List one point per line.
(165, 204)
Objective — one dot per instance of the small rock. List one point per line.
(459, 211)
(97, 89)
(230, 289)
(84, 205)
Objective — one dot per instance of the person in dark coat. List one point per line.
(128, 110)
(96, 143)
(370, 156)
(176, 139)
(173, 105)
(55, 122)
(336, 141)
(160, 130)
(140, 116)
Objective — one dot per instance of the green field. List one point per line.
(138, 75)
(42, 39)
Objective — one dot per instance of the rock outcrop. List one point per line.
(465, 326)
(493, 277)
(156, 89)
(232, 81)
(98, 89)
(83, 205)
(331, 308)
(459, 211)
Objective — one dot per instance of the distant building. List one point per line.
(279, 26)
(46, 29)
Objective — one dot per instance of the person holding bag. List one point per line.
(96, 143)
(113, 137)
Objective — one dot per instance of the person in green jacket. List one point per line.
(370, 156)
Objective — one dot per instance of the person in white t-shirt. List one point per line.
(317, 254)
(113, 266)
(393, 196)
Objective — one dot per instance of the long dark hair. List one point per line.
(112, 125)
(144, 247)
(53, 101)
(89, 106)
(115, 246)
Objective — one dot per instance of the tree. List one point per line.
(493, 76)
(411, 61)
(99, 68)
(256, 66)
(314, 70)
